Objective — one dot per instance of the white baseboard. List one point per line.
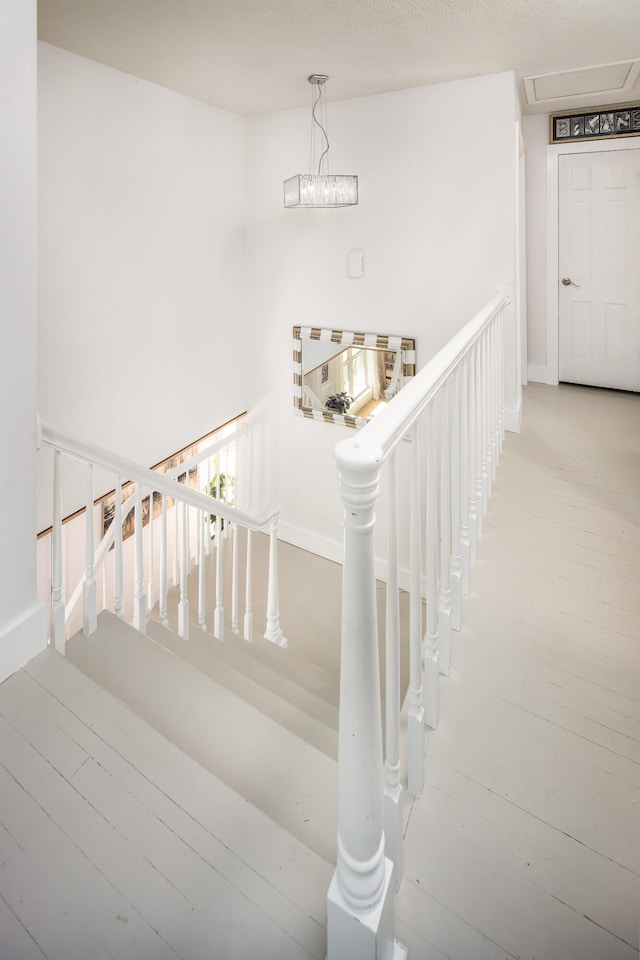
(513, 418)
(330, 550)
(313, 542)
(22, 640)
(538, 373)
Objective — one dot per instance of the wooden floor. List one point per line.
(526, 842)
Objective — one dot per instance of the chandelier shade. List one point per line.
(319, 188)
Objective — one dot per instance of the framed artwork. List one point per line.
(603, 123)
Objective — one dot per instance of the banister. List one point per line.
(359, 902)
(397, 417)
(114, 463)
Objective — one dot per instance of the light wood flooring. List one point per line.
(526, 842)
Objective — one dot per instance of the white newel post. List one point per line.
(139, 602)
(273, 630)
(360, 898)
(57, 603)
(415, 720)
(89, 590)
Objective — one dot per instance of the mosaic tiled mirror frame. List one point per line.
(349, 339)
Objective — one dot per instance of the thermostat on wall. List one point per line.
(355, 264)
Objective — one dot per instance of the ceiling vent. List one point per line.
(604, 83)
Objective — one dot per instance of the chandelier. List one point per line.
(320, 189)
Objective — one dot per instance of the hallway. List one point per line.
(526, 842)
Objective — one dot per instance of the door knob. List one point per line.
(567, 282)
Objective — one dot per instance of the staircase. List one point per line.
(272, 752)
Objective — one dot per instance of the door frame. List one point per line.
(554, 152)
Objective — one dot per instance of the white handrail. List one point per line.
(113, 463)
(396, 418)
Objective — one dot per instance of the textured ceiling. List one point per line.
(253, 56)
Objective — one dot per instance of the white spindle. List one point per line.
(218, 614)
(456, 561)
(465, 543)
(432, 653)
(415, 720)
(139, 603)
(58, 636)
(273, 631)
(500, 323)
(183, 603)
(486, 430)
(493, 401)
(392, 786)
(89, 590)
(361, 883)
(162, 600)
(248, 611)
(479, 498)
(472, 457)
(444, 618)
(234, 581)
(176, 544)
(151, 601)
(207, 528)
(118, 599)
(203, 519)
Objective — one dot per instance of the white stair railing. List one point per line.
(185, 498)
(453, 414)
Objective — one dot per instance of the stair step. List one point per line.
(290, 780)
(231, 663)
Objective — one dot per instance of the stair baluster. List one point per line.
(89, 591)
(58, 632)
(393, 793)
(415, 721)
(444, 613)
(139, 602)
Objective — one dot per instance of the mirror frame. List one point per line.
(373, 341)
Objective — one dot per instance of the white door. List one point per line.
(599, 269)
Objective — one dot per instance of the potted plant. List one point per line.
(339, 402)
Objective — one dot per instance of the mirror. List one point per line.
(346, 377)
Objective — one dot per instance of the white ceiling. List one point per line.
(253, 56)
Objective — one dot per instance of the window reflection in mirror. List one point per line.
(346, 376)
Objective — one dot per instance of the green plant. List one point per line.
(221, 487)
(339, 401)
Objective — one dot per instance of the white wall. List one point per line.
(436, 219)
(141, 246)
(22, 623)
(536, 137)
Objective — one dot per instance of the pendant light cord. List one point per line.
(324, 132)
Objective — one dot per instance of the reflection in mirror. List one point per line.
(348, 377)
